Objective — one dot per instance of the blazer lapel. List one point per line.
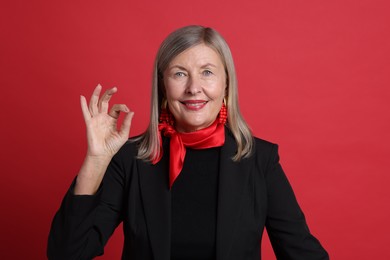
(232, 178)
(156, 200)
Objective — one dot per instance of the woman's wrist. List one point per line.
(91, 174)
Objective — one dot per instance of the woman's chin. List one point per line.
(192, 126)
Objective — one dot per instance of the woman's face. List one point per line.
(195, 84)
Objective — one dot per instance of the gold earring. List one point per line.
(164, 103)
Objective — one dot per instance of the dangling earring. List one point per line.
(165, 115)
(222, 118)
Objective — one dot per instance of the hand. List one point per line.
(104, 138)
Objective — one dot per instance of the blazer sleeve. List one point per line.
(286, 225)
(84, 223)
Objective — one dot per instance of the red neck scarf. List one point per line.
(212, 136)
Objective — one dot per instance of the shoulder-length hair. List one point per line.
(177, 42)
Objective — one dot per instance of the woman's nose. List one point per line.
(194, 86)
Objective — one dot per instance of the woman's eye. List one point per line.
(179, 74)
(207, 73)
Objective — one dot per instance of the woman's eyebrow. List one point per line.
(176, 66)
(208, 65)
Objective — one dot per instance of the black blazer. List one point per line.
(253, 193)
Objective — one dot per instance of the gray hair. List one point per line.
(177, 42)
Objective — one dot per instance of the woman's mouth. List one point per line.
(194, 104)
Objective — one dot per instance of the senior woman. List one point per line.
(195, 185)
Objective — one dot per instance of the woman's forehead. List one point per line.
(199, 55)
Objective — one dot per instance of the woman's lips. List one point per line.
(194, 104)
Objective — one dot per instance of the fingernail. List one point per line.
(126, 109)
(99, 85)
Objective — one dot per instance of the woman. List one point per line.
(195, 185)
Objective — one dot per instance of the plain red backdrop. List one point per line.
(313, 77)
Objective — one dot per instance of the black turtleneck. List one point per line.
(194, 206)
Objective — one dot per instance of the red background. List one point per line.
(313, 77)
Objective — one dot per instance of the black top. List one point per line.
(253, 194)
(194, 206)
